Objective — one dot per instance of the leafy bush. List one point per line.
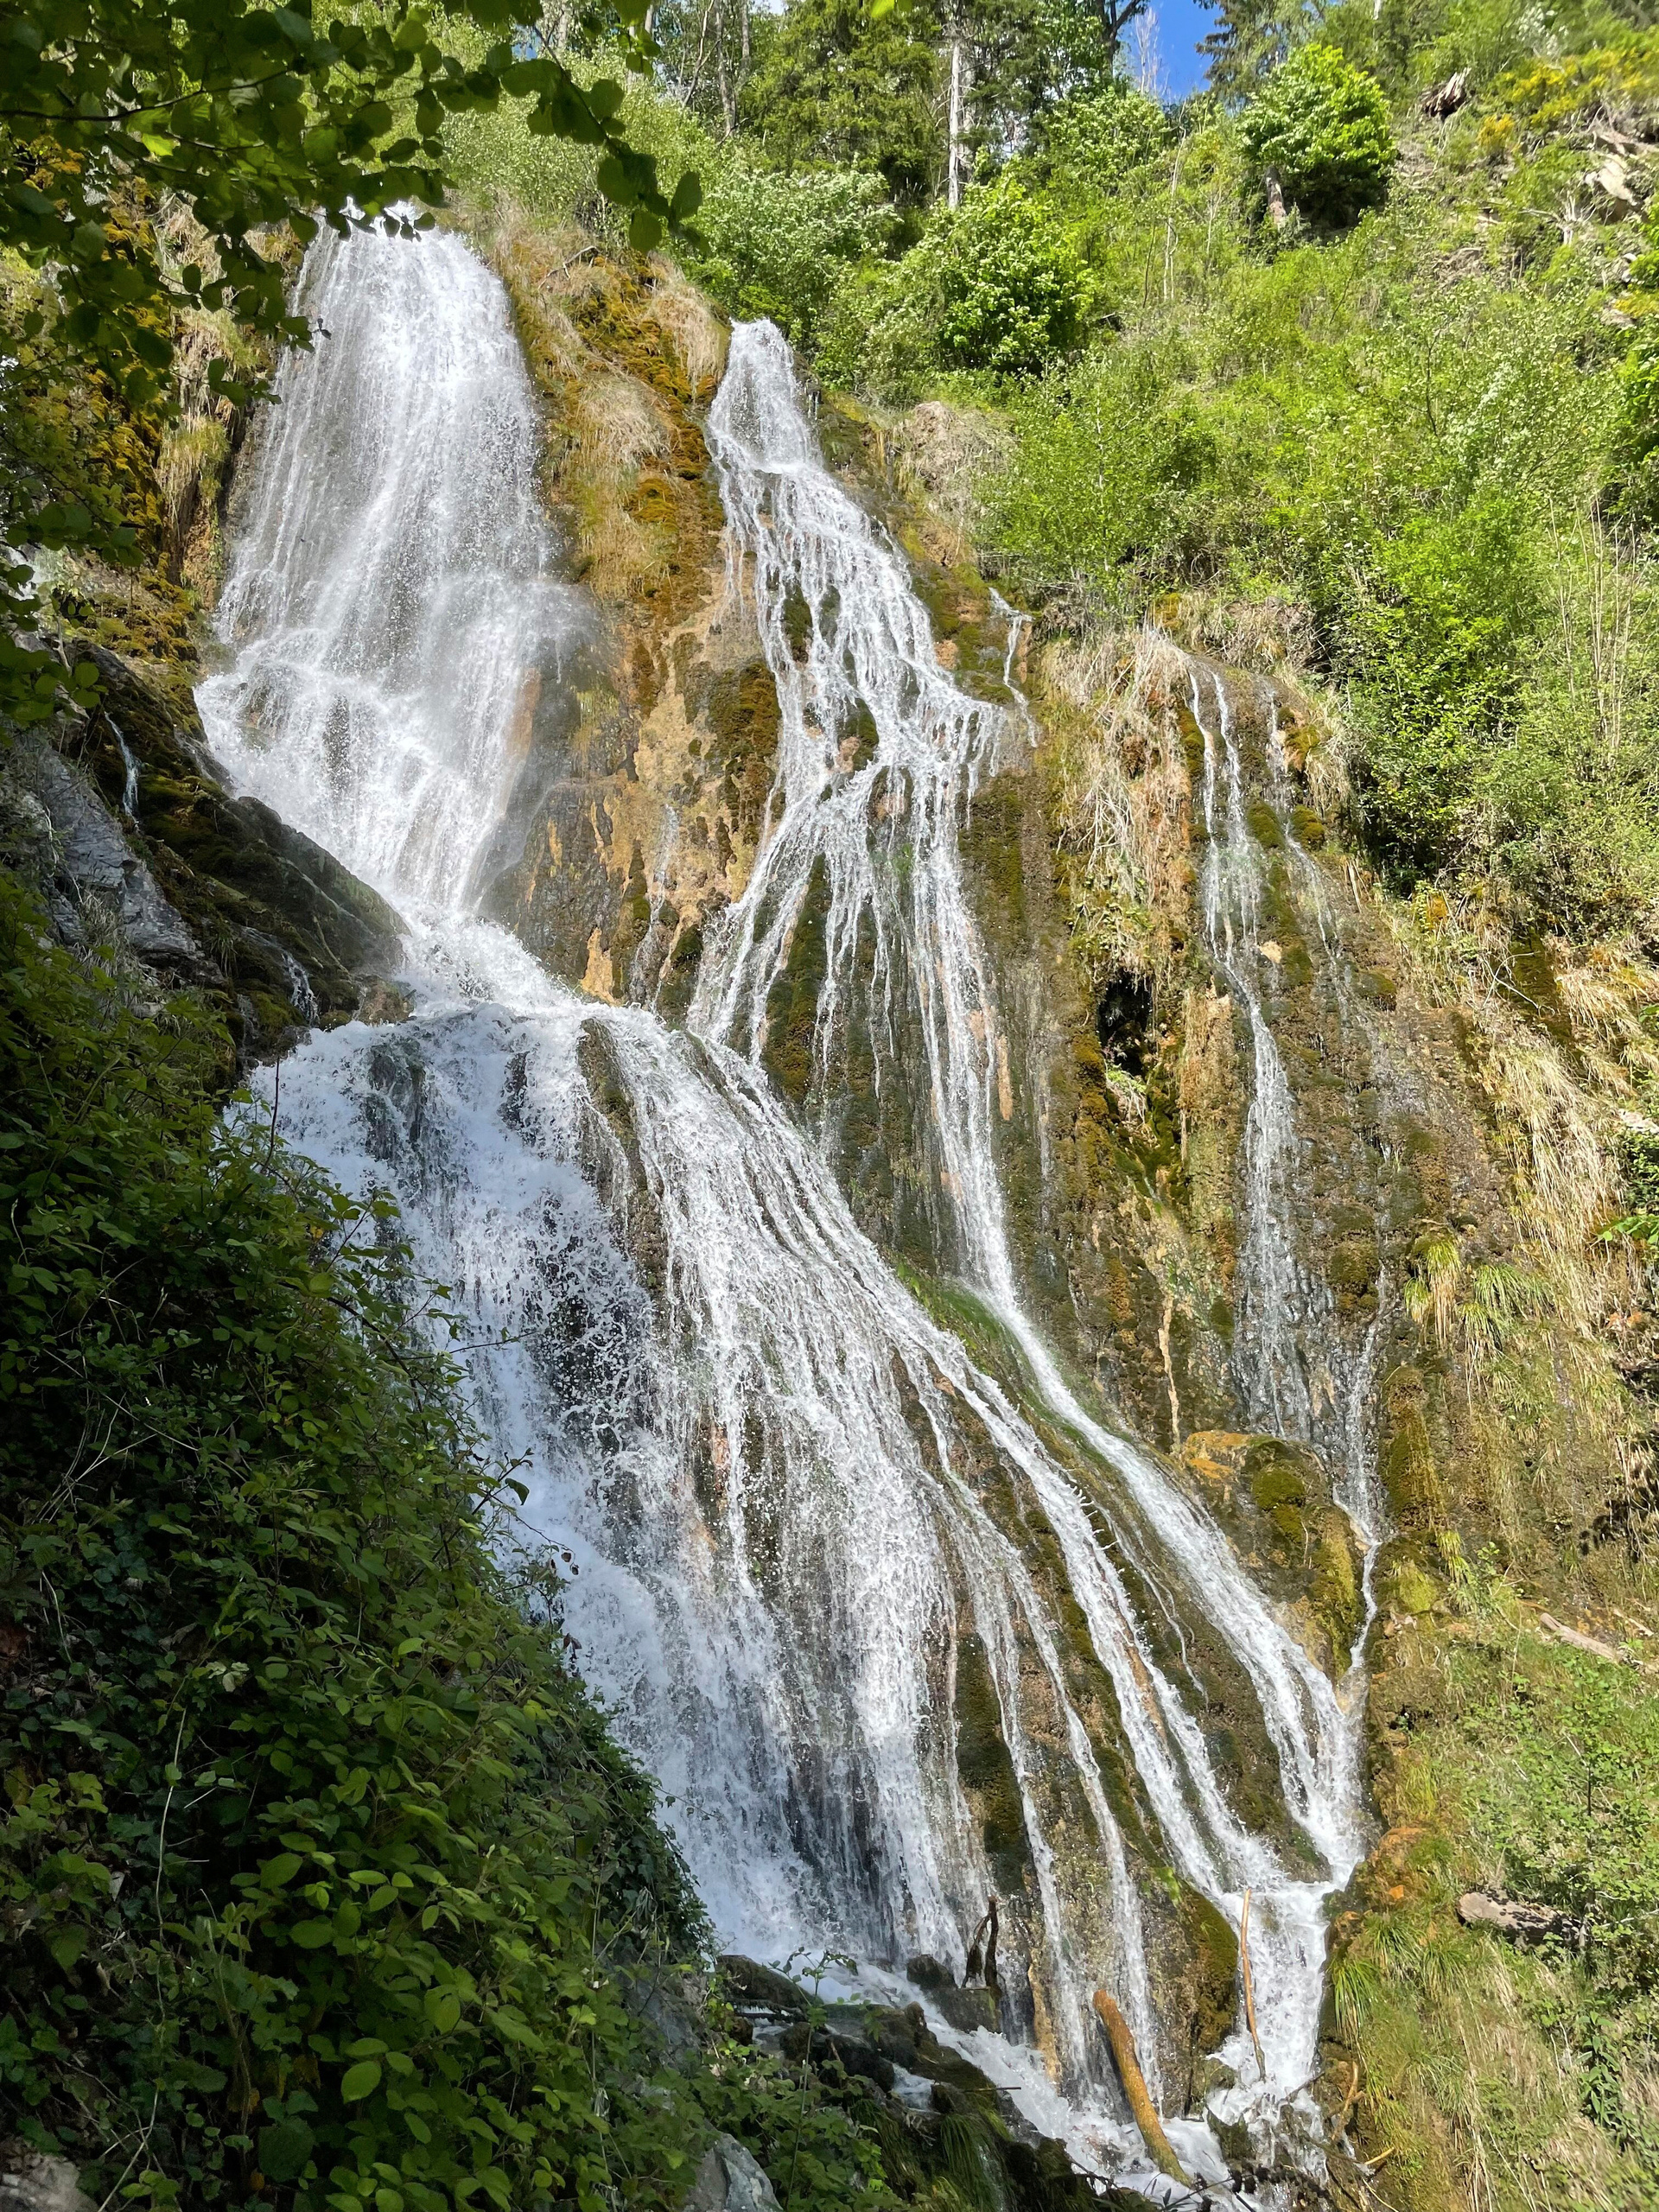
(1431, 635)
(779, 245)
(1012, 288)
(1321, 127)
(1099, 137)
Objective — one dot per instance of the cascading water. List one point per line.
(883, 836)
(1299, 1378)
(811, 1534)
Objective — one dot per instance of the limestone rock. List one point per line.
(762, 1988)
(1508, 1917)
(31, 2181)
(728, 2180)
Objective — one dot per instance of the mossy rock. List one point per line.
(986, 1767)
(1335, 1593)
(1409, 1588)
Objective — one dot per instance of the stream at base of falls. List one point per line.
(821, 1551)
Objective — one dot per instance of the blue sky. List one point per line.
(1181, 24)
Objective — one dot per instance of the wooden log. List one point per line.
(1145, 2113)
(1249, 1985)
(1593, 1644)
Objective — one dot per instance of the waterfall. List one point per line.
(883, 836)
(1297, 1377)
(816, 1544)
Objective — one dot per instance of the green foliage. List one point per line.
(779, 245)
(1321, 127)
(1527, 1770)
(831, 86)
(1028, 57)
(1012, 288)
(1548, 90)
(1434, 633)
(1422, 467)
(250, 118)
(1098, 138)
(317, 1862)
(1250, 38)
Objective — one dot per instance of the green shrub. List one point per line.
(1098, 137)
(1321, 127)
(1013, 290)
(779, 245)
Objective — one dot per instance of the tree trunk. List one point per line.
(723, 72)
(956, 166)
(1145, 2113)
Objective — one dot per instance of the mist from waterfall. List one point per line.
(802, 1517)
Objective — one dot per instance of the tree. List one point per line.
(1321, 127)
(1029, 56)
(1251, 39)
(832, 86)
(1012, 289)
(250, 118)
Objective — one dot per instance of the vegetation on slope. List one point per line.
(1357, 393)
(320, 1880)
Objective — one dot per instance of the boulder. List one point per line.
(854, 2055)
(728, 2180)
(757, 1988)
(1510, 1917)
(31, 2181)
(928, 1972)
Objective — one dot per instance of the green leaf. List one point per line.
(614, 182)
(360, 2081)
(442, 2009)
(284, 2149)
(68, 1944)
(312, 1934)
(275, 1871)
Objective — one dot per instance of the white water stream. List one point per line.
(803, 1519)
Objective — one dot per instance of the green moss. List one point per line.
(986, 1768)
(1214, 1946)
(1335, 1591)
(1275, 1473)
(792, 1001)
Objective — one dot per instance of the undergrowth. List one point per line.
(1528, 1771)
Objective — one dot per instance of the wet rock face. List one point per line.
(119, 818)
(646, 827)
(935, 2116)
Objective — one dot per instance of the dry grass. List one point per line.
(946, 455)
(1123, 802)
(620, 353)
